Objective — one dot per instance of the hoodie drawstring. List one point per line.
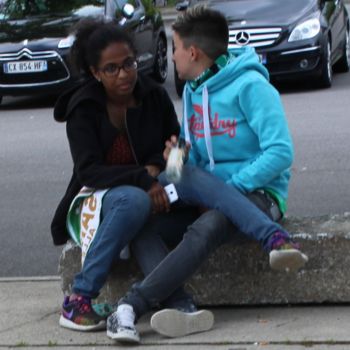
(206, 123)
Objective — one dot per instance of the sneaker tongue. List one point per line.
(126, 315)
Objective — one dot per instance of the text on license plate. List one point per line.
(25, 67)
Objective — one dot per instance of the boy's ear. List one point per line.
(196, 53)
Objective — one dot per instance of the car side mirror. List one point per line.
(182, 6)
(128, 11)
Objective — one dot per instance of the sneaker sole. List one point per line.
(173, 323)
(124, 337)
(65, 323)
(287, 260)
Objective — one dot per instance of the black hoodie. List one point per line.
(91, 135)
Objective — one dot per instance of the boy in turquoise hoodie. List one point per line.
(234, 122)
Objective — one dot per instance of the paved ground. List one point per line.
(29, 312)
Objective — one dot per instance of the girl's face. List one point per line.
(117, 69)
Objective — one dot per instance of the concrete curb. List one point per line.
(29, 279)
(239, 274)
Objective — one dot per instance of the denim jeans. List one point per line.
(125, 210)
(199, 187)
(161, 233)
(163, 285)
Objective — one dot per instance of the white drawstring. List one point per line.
(184, 115)
(206, 122)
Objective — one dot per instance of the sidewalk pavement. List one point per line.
(29, 310)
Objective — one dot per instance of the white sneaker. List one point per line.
(175, 323)
(121, 325)
(288, 260)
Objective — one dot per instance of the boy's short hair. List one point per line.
(205, 28)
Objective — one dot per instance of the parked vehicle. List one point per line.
(35, 45)
(295, 39)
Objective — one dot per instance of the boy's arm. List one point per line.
(263, 108)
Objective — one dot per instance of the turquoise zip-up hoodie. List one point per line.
(237, 126)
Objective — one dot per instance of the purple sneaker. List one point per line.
(285, 255)
(79, 315)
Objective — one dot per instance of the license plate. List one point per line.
(25, 67)
(262, 57)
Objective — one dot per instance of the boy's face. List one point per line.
(183, 59)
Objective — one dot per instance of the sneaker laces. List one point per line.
(126, 316)
(83, 304)
(281, 241)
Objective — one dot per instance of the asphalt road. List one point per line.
(35, 167)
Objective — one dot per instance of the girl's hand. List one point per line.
(152, 170)
(159, 198)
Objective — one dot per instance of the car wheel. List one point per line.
(343, 65)
(179, 84)
(0, 99)
(326, 76)
(160, 69)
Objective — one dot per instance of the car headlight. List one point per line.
(66, 42)
(305, 30)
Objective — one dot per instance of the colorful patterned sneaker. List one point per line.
(174, 323)
(121, 325)
(285, 255)
(79, 315)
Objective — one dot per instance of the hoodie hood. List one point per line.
(241, 61)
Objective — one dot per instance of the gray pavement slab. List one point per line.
(30, 310)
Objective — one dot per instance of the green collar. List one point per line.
(219, 63)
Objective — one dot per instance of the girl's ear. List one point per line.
(95, 73)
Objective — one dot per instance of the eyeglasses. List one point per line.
(112, 69)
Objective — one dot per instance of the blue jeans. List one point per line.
(163, 285)
(125, 210)
(161, 233)
(199, 187)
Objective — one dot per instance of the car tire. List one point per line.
(160, 68)
(0, 99)
(343, 65)
(326, 76)
(179, 84)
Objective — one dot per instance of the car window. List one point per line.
(17, 9)
(114, 7)
(121, 3)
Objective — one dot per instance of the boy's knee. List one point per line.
(211, 229)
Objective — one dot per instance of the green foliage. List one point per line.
(21, 344)
(52, 343)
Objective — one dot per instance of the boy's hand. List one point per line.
(173, 143)
(152, 170)
(159, 198)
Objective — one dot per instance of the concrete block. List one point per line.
(240, 274)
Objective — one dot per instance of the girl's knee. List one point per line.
(129, 197)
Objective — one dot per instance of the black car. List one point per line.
(35, 45)
(294, 38)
